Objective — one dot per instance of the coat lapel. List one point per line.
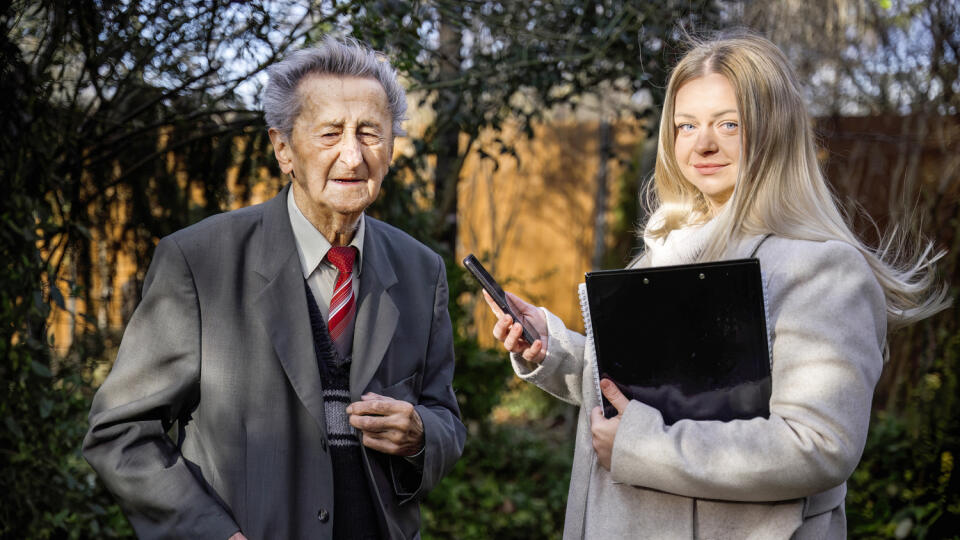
(282, 306)
(377, 314)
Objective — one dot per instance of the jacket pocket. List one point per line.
(407, 389)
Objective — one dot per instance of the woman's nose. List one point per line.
(706, 143)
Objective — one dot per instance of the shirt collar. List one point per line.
(312, 246)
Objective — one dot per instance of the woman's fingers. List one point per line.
(510, 332)
(493, 305)
(512, 342)
(502, 327)
(535, 353)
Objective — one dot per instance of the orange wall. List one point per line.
(530, 220)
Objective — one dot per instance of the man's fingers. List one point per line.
(390, 435)
(370, 424)
(380, 445)
(370, 396)
(398, 422)
(614, 395)
(379, 405)
(406, 448)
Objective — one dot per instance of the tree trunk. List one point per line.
(600, 196)
(447, 141)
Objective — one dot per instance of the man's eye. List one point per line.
(369, 138)
(330, 136)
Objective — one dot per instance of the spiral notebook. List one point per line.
(689, 340)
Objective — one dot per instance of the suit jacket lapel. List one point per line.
(377, 314)
(282, 306)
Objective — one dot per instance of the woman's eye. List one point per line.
(730, 126)
(683, 128)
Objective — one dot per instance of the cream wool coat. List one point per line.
(781, 477)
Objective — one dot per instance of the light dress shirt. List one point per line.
(312, 247)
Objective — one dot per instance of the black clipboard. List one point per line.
(690, 340)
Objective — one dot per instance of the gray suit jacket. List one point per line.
(212, 418)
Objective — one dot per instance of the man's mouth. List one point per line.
(349, 180)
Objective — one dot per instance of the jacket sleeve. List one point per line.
(829, 324)
(154, 381)
(444, 433)
(561, 372)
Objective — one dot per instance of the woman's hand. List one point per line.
(604, 430)
(510, 332)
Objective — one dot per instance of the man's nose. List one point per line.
(350, 152)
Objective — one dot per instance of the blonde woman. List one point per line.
(736, 174)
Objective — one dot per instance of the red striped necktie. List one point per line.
(343, 305)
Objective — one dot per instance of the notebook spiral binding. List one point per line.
(589, 350)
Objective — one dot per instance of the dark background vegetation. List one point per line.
(98, 95)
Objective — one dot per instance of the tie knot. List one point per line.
(342, 257)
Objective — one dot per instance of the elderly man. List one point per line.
(288, 371)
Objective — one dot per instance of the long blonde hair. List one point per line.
(780, 188)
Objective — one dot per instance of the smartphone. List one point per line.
(496, 292)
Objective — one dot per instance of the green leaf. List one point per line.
(40, 369)
(45, 407)
(13, 427)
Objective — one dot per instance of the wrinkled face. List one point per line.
(341, 145)
(707, 147)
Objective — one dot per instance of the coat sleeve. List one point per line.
(829, 324)
(444, 433)
(561, 372)
(154, 381)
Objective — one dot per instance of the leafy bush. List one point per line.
(510, 483)
(907, 485)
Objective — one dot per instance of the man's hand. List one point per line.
(604, 430)
(388, 425)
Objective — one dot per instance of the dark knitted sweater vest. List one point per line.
(355, 517)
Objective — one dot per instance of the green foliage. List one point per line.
(510, 483)
(907, 485)
(49, 491)
(46, 489)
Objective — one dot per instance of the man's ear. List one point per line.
(281, 150)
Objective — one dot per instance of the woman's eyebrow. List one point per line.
(714, 115)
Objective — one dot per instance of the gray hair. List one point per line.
(345, 58)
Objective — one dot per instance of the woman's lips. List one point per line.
(708, 169)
